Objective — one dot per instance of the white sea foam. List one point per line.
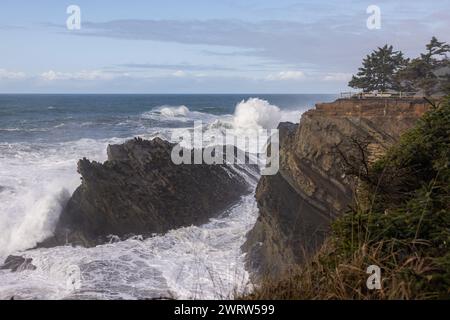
(39, 178)
(256, 113)
(248, 124)
(177, 113)
(192, 262)
(203, 262)
(182, 111)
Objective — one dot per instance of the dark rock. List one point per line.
(17, 264)
(298, 204)
(139, 190)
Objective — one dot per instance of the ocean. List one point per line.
(41, 139)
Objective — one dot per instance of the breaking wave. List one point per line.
(256, 113)
(193, 262)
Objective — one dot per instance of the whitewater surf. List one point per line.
(40, 144)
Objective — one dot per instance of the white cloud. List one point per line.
(179, 73)
(11, 75)
(80, 75)
(50, 75)
(286, 75)
(338, 77)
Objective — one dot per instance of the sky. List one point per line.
(204, 46)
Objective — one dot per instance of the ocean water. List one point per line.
(41, 139)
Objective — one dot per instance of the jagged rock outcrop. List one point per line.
(298, 204)
(139, 190)
(17, 264)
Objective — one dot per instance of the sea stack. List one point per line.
(139, 190)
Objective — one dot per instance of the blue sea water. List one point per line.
(41, 139)
(58, 118)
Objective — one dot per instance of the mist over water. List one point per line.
(41, 139)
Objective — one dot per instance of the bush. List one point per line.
(401, 224)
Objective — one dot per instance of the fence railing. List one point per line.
(364, 95)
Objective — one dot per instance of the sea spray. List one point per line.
(38, 171)
(256, 113)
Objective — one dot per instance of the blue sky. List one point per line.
(200, 46)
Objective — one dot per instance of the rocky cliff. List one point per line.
(311, 188)
(139, 190)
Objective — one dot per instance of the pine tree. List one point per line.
(436, 51)
(378, 71)
(423, 73)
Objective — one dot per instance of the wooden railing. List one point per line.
(365, 95)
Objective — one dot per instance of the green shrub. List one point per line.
(409, 204)
(402, 224)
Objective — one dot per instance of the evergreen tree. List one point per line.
(436, 52)
(430, 73)
(378, 71)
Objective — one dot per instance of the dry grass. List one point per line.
(401, 223)
(330, 276)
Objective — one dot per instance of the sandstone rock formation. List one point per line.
(298, 204)
(139, 190)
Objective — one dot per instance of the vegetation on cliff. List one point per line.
(385, 69)
(400, 222)
(378, 70)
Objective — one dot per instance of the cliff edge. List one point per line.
(298, 204)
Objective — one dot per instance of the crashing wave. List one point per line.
(256, 113)
(179, 113)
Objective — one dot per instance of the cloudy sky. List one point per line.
(203, 46)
